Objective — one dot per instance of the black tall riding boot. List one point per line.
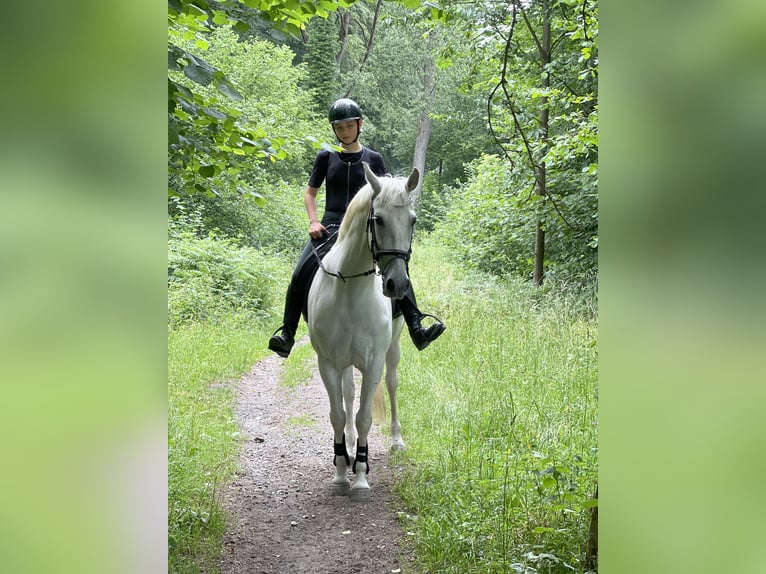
(283, 339)
(421, 337)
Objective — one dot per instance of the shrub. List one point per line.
(211, 275)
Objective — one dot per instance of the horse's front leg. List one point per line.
(332, 379)
(360, 489)
(349, 394)
(392, 382)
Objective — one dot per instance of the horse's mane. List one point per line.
(393, 192)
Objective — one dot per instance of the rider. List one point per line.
(344, 175)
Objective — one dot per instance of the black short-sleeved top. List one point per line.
(343, 174)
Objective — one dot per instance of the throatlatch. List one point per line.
(361, 456)
(340, 450)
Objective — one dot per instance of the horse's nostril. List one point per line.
(390, 285)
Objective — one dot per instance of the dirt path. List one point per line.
(283, 518)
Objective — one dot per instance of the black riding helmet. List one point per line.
(343, 110)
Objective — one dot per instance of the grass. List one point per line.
(500, 421)
(297, 370)
(499, 416)
(203, 436)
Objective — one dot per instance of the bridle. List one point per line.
(373, 242)
(375, 251)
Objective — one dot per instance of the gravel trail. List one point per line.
(282, 516)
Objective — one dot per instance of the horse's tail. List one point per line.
(379, 405)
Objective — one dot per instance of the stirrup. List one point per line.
(281, 344)
(434, 317)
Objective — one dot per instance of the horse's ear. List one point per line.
(372, 179)
(412, 182)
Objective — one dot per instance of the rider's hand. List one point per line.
(316, 229)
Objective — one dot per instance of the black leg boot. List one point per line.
(283, 339)
(421, 337)
(282, 342)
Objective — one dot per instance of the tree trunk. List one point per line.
(538, 273)
(368, 49)
(591, 552)
(424, 129)
(372, 33)
(345, 20)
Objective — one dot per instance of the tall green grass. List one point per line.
(203, 436)
(499, 416)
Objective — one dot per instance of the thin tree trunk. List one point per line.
(345, 20)
(591, 552)
(424, 129)
(372, 33)
(538, 273)
(370, 42)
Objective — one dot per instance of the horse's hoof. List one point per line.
(360, 494)
(340, 488)
(398, 447)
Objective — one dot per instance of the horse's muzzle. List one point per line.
(395, 279)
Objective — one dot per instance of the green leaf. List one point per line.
(328, 147)
(220, 18)
(206, 170)
(229, 90)
(174, 54)
(175, 5)
(213, 113)
(198, 74)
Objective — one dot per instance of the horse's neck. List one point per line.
(353, 253)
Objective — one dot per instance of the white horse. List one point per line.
(350, 316)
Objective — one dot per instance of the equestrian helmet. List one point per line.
(343, 110)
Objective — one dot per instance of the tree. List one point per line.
(537, 63)
(206, 135)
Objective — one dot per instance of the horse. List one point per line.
(350, 317)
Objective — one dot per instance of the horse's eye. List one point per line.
(378, 220)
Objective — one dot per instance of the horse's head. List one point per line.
(391, 225)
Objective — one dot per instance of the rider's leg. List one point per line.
(421, 336)
(283, 339)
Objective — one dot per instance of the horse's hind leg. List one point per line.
(392, 382)
(331, 378)
(349, 394)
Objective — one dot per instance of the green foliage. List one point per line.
(209, 277)
(207, 135)
(500, 418)
(486, 224)
(276, 225)
(459, 123)
(491, 221)
(389, 86)
(520, 88)
(274, 109)
(433, 202)
(203, 436)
